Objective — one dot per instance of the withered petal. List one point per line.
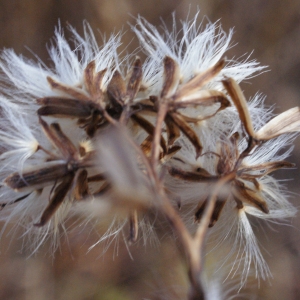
(171, 77)
(39, 177)
(240, 102)
(220, 203)
(59, 139)
(245, 194)
(57, 199)
(65, 107)
(264, 169)
(172, 130)
(81, 189)
(199, 80)
(98, 96)
(286, 122)
(69, 90)
(116, 89)
(201, 176)
(63, 112)
(89, 74)
(135, 79)
(187, 131)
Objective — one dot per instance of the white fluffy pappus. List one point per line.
(233, 231)
(195, 48)
(18, 135)
(25, 80)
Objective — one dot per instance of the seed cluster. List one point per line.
(149, 138)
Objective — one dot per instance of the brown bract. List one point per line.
(175, 96)
(286, 122)
(244, 186)
(95, 106)
(64, 171)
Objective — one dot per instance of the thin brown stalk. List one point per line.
(205, 220)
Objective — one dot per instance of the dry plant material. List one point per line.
(101, 136)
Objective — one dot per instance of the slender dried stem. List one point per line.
(187, 243)
(205, 220)
(197, 246)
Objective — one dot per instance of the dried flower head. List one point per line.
(92, 136)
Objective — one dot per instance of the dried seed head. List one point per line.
(174, 131)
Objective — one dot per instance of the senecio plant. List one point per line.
(97, 135)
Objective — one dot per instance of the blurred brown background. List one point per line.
(269, 27)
